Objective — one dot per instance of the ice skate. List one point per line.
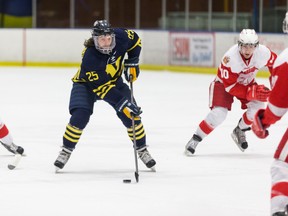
(146, 158)
(192, 144)
(62, 159)
(284, 213)
(239, 138)
(13, 148)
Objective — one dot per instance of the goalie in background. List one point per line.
(276, 108)
(236, 79)
(7, 140)
(100, 78)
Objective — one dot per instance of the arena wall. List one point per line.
(162, 50)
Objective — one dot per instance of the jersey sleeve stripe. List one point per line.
(138, 43)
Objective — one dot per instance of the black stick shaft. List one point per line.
(133, 130)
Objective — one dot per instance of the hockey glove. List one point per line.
(258, 128)
(131, 69)
(125, 103)
(258, 92)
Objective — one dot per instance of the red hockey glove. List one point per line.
(258, 92)
(258, 128)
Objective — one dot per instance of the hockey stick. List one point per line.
(16, 159)
(133, 129)
(18, 153)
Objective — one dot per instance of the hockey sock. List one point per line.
(71, 136)
(244, 122)
(140, 134)
(279, 189)
(204, 129)
(5, 135)
(3, 131)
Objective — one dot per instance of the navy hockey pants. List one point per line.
(81, 107)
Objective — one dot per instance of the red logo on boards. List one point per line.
(181, 49)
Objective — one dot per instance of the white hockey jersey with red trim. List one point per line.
(278, 100)
(237, 73)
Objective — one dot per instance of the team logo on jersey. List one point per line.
(226, 59)
(112, 59)
(249, 70)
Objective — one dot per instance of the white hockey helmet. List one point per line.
(285, 24)
(248, 37)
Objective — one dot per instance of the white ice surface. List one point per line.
(219, 180)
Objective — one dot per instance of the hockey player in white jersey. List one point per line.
(276, 108)
(6, 140)
(236, 80)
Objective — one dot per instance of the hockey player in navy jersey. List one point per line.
(99, 78)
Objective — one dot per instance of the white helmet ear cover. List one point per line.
(285, 24)
(248, 36)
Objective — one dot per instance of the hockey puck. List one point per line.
(126, 180)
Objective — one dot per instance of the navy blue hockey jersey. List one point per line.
(101, 72)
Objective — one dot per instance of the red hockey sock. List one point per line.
(246, 120)
(206, 128)
(279, 189)
(3, 131)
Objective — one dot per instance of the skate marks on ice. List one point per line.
(217, 180)
(224, 156)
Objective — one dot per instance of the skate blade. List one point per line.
(57, 169)
(153, 169)
(188, 153)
